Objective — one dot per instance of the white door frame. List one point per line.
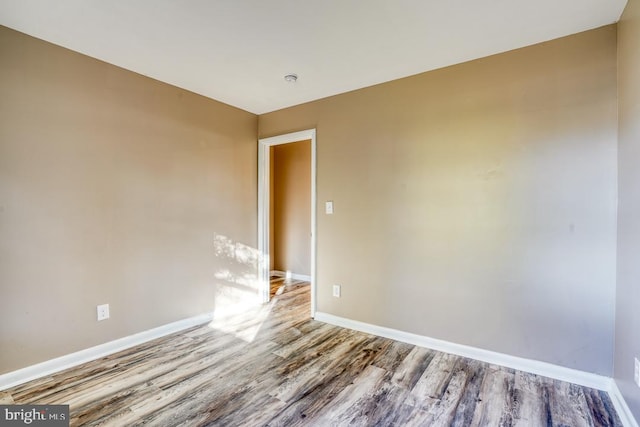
(264, 153)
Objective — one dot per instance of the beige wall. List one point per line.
(476, 203)
(114, 188)
(291, 199)
(628, 292)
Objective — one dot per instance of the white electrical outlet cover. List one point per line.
(103, 311)
(636, 371)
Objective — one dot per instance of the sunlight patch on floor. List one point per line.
(244, 325)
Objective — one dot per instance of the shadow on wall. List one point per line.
(237, 283)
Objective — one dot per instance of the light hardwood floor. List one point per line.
(277, 367)
(277, 286)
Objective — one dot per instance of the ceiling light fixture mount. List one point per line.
(291, 78)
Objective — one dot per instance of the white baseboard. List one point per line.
(621, 406)
(49, 367)
(294, 276)
(587, 379)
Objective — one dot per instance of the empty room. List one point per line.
(327, 213)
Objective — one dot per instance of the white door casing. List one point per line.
(264, 145)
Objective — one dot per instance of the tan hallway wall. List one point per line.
(476, 203)
(628, 291)
(119, 189)
(291, 200)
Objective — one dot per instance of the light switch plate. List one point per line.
(636, 371)
(336, 291)
(328, 207)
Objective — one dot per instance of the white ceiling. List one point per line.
(238, 51)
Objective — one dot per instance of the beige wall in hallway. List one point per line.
(476, 203)
(119, 189)
(628, 292)
(291, 199)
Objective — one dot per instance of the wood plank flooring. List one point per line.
(295, 371)
(277, 286)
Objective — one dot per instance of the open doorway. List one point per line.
(272, 255)
(290, 213)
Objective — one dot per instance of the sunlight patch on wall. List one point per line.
(237, 284)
